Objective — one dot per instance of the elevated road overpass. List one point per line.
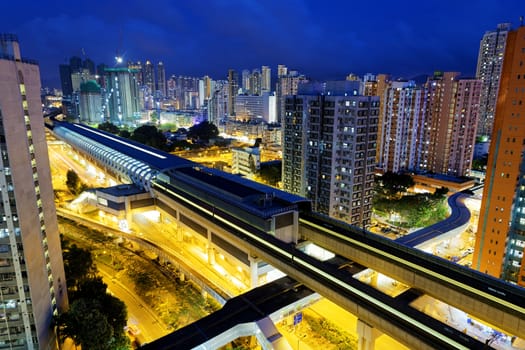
(259, 222)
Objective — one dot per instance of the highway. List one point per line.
(432, 332)
(459, 216)
(492, 292)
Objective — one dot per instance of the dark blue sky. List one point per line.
(324, 39)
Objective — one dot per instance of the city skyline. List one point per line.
(207, 38)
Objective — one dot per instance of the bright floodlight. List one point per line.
(118, 59)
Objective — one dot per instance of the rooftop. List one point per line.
(155, 158)
(121, 190)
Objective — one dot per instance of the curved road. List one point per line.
(459, 216)
(151, 327)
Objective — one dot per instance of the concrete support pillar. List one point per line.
(366, 336)
(181, 276)
(180, 233)
(254, 272)
(211, 255)
(127, 206)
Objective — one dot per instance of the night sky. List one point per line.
(324, 39)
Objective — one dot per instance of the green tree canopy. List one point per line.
(92, 304)
(96, 290)
(124, 133)
(391, 184)
(149, 135)
(271, 174)
(86, 326)
(109, 127)
(73, 183)
(203, 131)
(78, 265)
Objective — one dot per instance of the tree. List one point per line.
(271, 174)
(203, 131)
(480, 163)
(73, 183)
(109, 127)
(441, 192)
(86, 326)
(78, 265)
(92, 304)
(392, 184)
(124, 133)
(113, 308)
(154, 117)
(149, 135)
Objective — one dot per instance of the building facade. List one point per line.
(490, 63)
(161, 79)
(233, 89)
(148, 76)
(246, 161)
(266, 76)
(376, 86)
(218, 104)
(33, 287)
(287, 84)
(250, 107)
(329, 150)
(91, 103)
(500, 239)
(402, 111)
(449, 130)
(122, 99)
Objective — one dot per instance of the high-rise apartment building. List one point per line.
(218, 104)
(288, 84)
(266, 76)
(161, 79)
(89, 65)
(233, 88)
(91, 111)
(134, 66)
(186, 92)
(208, 87)
(500, 239)
(255, 82)
(148, 76)
(490, 63)
(123, 107)
(329, 147)
(32, 286)
(75, 63)
(65, 80)
(402, 111)
(378, 87)
(245, 80)
(449, 132)
(255, 107)
(171, 86)
(282, 70)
